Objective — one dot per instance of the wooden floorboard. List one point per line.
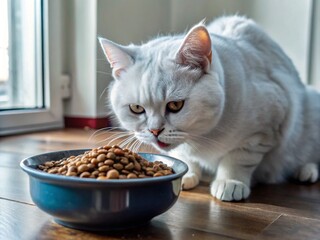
(14, 185)
(207, 215)
(284, 211)
(21, 221)
(292, 228)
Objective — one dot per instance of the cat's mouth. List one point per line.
(162, 144)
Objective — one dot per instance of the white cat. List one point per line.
(223, 97)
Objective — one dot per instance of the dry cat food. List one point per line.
(107, 162)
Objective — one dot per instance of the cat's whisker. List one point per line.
(114, 139)
(126, 141)
(177, 137)
(104, 140)
(132, 144)
(135, 145)
(111, 135)
(150, 148)
(103, 92)
(147, 147)
(104, 131)
(109, 74)
(140, 146)
(117, 135)
(129, 144)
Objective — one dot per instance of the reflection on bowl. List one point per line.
(90, 204)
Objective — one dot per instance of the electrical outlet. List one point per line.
(65, 86)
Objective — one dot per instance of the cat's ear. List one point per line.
(119, 57)
(195, 50)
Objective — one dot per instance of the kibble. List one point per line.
(103, 168)
(101, 157)
(113, 174)
(107, 162)
(132, 175)
(118, 166)
(82, 168)
(85, 175)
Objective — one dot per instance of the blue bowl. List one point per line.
(90, 204)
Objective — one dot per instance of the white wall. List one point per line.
(126, 21)
(80, 57)
(288, 22)
(186, 13)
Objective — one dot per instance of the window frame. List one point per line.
(51, 116)
(314, 51)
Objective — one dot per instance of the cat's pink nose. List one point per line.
(156, 132)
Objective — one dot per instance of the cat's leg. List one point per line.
(308, 173)
(232, 182)
(192, 178)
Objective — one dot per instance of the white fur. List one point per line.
(247, 118)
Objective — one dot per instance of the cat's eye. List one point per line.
(175, 106)
(137, 109)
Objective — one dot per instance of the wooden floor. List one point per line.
(286, 211)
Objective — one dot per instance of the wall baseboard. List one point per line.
(83, 122)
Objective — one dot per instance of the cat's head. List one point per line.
(166, 90)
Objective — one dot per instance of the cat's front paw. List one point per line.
(229, 190)
(189, 181)
(308, 173)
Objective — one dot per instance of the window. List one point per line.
(27, 81)
(21, 80)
